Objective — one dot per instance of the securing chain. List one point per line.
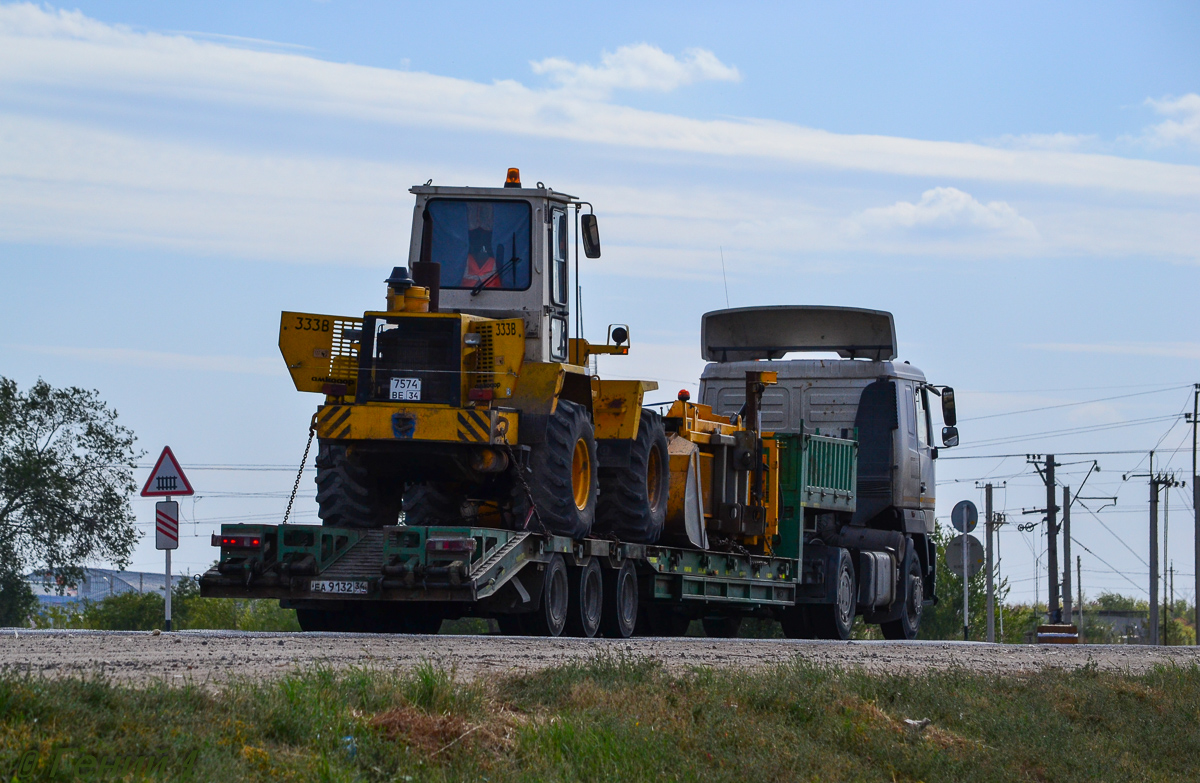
(533, 512)
(312, 430)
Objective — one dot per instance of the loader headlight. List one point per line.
(472, 339)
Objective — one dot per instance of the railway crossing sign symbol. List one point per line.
(166, 524)
(167, 478)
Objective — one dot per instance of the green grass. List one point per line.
(624, 718)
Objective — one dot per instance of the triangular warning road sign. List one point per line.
(167, 478)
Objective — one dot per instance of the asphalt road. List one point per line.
(212, 656)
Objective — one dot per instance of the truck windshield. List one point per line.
(483, 244)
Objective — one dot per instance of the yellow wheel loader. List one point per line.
(465, 398)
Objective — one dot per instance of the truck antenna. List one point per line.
(723, 277)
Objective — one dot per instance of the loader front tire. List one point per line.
(563, 477)
(432, 503)
(348, 494)
(633, 499)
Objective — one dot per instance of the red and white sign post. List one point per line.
(165, 480)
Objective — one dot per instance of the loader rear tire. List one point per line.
(432, 503)
(563, 478)
(348, 495)
(633, 499)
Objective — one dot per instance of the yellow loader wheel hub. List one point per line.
(581, 474)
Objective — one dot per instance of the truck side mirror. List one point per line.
(949, 437)
(591, 235)
(949, 415)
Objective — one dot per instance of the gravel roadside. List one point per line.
(212, 656)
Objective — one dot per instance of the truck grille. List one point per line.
(428, 349)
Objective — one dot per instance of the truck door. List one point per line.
(910, 448)
(923, 445)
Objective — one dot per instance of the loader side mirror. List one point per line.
(949, 437)
(949, 414)
(591, 235)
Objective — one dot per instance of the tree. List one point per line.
(66, 475)
(945, 621)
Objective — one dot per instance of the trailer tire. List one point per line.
(430, 503)
(551, 617)
(347, 494)
(619, 620)
(908, 625)
(633, 499)
(722, 626)
(587, 599)
(564, 480)
(836, 620)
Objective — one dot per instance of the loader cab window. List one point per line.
(558, 244)
(481, 243)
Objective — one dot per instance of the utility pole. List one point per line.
(1166, 558)
(991, 587)
(1079, 587)
(1196, 503)
(1066, 577)
(1053, 611)
(1153, 553)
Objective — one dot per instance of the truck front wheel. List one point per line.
(835, 621)
(908, 624)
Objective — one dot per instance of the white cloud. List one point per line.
(1171, 350)
(636, 67)
(162, 361)
(42, 51)
(1053, 142)
(946, 211)
(1184, 125)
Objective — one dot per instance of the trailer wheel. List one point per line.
(347, 494)
(587, 599)
(834, 621)
(724, 626)
(633, 499)
(909, 623)
(551, 616)
(430, 503)
(565, 481)
(620, 601)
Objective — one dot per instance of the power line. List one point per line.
(1073, 404)
(1076, 430)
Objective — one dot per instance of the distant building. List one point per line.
(98, 584)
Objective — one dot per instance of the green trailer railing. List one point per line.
(815, 472)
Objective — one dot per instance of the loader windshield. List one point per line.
(481, 244)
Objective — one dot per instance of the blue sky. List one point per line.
(1018, 185)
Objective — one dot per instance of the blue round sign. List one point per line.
(965, 516)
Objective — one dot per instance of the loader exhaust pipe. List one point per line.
(426, 272)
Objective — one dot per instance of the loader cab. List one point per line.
(503, 253)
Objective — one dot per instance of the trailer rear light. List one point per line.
(452, 545)
(236, 542)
